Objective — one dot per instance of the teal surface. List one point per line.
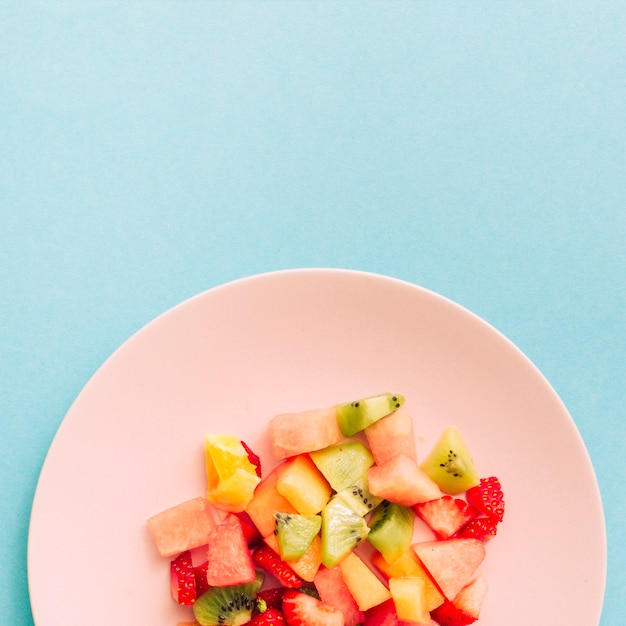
(152, 150)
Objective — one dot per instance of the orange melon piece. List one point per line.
(182, 527)
(307, 565)
(409, 598)
(266, 501)
(304, 431)
(365, 587)
(303, 485)
(408, 565)
(390, 436)
(451, 562)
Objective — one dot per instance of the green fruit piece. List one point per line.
(391, 530)
(344, 463)
(295, 533)
(231, 606)
(354, 417)
(359, 497)
(450, 464)
(343, 529)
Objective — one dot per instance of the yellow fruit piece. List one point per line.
(364, 585)
(231, 477)
(303, 485)
(408, 565)
(409, 598)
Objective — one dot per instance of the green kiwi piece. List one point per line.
(359, 497)
(343, 529)
(353, 417)
(344, 463)
(230, 606)
(450, 464)
(391, 529)
(295, 533)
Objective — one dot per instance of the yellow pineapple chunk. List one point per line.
(303, 485)
(409, 598)
(365, 587)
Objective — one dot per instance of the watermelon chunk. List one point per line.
(229, 559)
(334, 592)
(182, 527)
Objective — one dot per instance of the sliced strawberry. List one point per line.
(487, 497)
(200, 572)
(270, 617)
(271, 562)
(447, 614)
(445, 515)
(270, 598)
(479, 528)
(183, 579)
(253, 458)
(302, 609)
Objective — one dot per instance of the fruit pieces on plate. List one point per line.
(348, 476)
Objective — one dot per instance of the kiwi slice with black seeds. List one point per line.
(227, 606)
(295, 533)
(359, 497)
(450, 464)
(391, 529)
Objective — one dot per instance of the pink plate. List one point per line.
(229, 359)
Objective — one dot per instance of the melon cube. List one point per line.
(365, 587)
(304, 431)
(267, 501)
(409, 598)
(182, 527)
(390, 436)
(402, 481)
(409, 565)
(451, 562)
(334, 592)
(303, 485)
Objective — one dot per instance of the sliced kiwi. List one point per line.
(343, 529)
(344, 463)
(295, 533)
(359, 497)
(391, 530)
(355, 416)
(450, 464)
(231, 606)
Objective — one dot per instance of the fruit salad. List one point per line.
(328, 536)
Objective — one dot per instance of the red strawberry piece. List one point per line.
(253, 458)
(487, 497)
(270, 617)
(447, 614)
(183, 579)
(479, 528)
(201, 582)
(271, 562)
(270, 598)
(445, 515)
(302, 609)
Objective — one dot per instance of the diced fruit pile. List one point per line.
(327, 537)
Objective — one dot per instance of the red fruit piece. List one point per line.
(449, 615)
(445, 515)
(479, 528)
(253, 458)
(302, 609)
(250, 531)
(183, 579)
(229, 559)
(487, 497)
(271, 562)
(201, 582)
(270, 617)
(270, 598)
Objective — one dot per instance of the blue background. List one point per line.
(152, 150)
